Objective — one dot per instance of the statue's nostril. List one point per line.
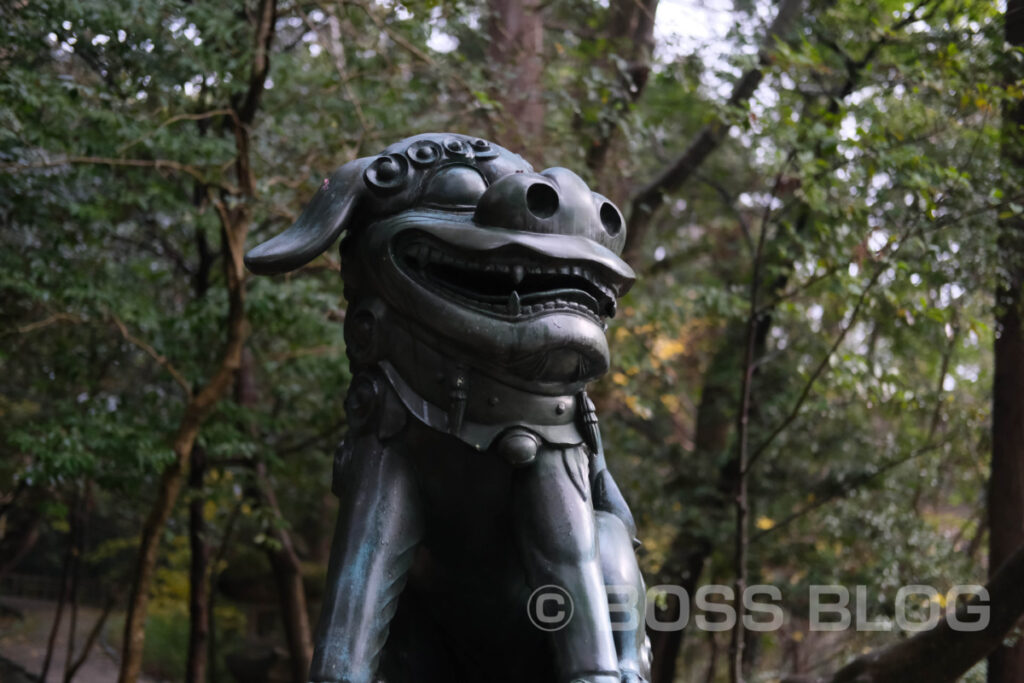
(542, 200)
(611, 218)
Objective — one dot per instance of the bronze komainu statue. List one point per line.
(480, 536)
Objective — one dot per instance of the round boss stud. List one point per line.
(387, 173)
(483, 150)
(518, 446)
(458, 149)
(424, 152)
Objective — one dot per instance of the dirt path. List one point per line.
(24, 642)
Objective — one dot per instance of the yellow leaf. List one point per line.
(765, 523)
(667, 349)
(639, 410)
(209, 510)
(798, 636)
(671, 402)
(620, 379)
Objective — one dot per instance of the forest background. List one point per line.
(818, 379)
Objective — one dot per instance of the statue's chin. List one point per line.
(555, 352)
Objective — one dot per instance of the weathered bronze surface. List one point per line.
(473, 473)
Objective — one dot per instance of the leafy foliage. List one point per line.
(863, 166)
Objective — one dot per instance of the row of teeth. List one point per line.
(425, 254)
(515, 307)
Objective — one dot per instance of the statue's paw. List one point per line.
(632, 677)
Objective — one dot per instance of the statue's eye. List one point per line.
(455, 186)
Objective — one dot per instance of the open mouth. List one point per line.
(510, 283)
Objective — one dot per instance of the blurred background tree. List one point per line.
(823, 199)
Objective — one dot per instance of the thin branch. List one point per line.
(798, 406)
(804, 286)
(730, 203)
(881, 268)
(260, 66)
(159, 164)
(161, 359)
(180, 117)
(652, 196)
(324, 350)
(92, 636)
(863, 480)
(51, 320)
(332, 43)
(422, 56)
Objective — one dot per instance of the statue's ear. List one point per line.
(323, 220)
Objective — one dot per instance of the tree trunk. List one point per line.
(292, 594)
(283, 559)
(22, 545)
(19, 528)
(715, 418)
(199, 576)
(234, 215)
(198, 408)
(90, 639)
(1006, 485)
(516, 31)
(67, 579)
(149, 545)
(81, 513)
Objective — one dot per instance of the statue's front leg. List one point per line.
(626, 597)
(379, 526)
(616, 532)
(557, 537)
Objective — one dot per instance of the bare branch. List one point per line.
(944, 653)
(159, 164)
(643, 205)
(174, 119)
(50, 320)
(161, 359)
(422, 56)
(325, 350)
(332, 43)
